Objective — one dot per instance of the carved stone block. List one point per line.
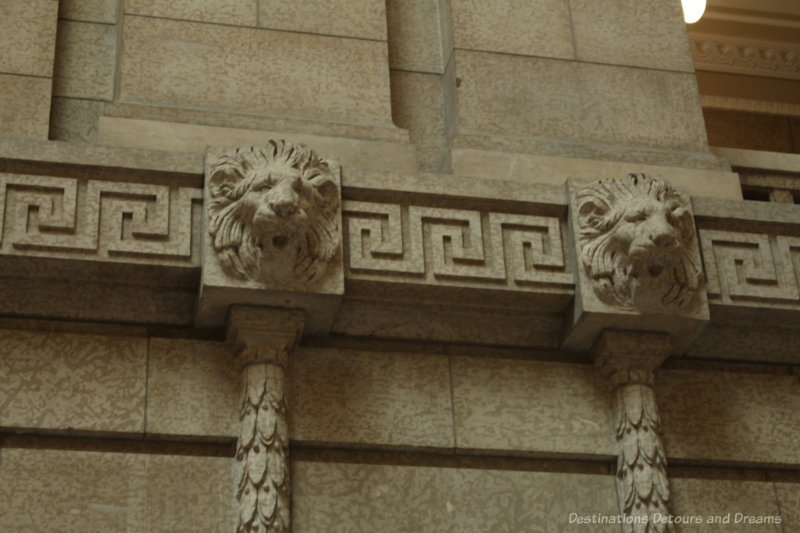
(272, 234)
(637, 260)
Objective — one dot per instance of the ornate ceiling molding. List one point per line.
(745, 57)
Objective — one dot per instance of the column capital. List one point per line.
(630, 356)
(263, 334)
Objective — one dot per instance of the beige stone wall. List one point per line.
(453, 416)
(27, 41)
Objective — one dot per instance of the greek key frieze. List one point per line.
(751, 267)
(95, 219)
(455, 246)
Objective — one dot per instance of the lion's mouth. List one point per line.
(280, 241)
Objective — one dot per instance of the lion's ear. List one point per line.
(329, 192)
(225, 176)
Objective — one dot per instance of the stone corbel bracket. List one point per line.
(272, 233)
(637, 261)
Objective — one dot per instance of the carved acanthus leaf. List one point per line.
(642, 482)
(264, 491)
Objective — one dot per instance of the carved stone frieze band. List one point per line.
(98, 220)
(752, 267)
(464, 247)
(758, 59)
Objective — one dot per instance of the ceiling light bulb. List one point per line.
(693, 10)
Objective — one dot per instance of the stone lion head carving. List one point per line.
(637, 243)
(273, 213)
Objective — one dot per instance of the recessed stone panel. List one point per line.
(192, 388)
(337, 497)
(25, 106)
(28, 37)
(218, 67)
(236, 12)
(524, 96)
(72, 381)
(420, 36)
(89, 10)
(736, 505)
(640, 33)
(370, 398)
(727, 416)
(102, 491)
(531, 407)
(531, 28)
(365, 19)
(85, 61)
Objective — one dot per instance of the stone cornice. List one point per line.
(84, 247)
(745, 57)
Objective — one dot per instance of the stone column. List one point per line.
(262, 339)
(628, 359)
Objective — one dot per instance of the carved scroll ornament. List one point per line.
(638, 245)
(273, 213)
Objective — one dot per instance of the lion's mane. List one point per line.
(616, 273)
(236, 239)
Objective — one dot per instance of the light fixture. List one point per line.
(693, 10)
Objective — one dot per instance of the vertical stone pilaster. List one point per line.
(628, 359)
(262, 339)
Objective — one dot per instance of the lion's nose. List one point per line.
(284, 207)
(663, 240)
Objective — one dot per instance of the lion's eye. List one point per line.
(636, 216)
(262, 186)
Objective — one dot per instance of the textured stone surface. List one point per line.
(223, 67)
(640, 33)
(532, 28)
(420, 36)
(788, 495)
(568, 100)
(100, 491)
(72, 381)
(25, 106)
(192, 388)
(158, 135)
(384, 399)
(85, 59)
(338, 497)
(236, 12)
(525, 406)
(729, 416)
(125, 159)
(28, 37)
(555, 170)
(444, 323)
(74, 120)
(419, 105)
(89, 10)
(365, 19)
(720, 498)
